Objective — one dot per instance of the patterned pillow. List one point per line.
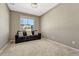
(20, 34)
(35, 33)
(29, 33)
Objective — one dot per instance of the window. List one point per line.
(26, 22)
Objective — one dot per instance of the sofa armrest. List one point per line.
(39, 35)
(16, 36)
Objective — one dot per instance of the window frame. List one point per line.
(27, 22)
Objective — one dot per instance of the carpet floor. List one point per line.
(43, 47)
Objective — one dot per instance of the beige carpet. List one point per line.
(43, 47)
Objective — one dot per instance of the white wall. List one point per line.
(61, 24)
(4, 24)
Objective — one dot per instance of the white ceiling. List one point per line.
(27, 8)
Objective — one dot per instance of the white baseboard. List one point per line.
(65, 45)
(4, 47)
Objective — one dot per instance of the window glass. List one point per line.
(25, 22)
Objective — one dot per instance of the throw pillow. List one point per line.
(29, 33)
(36, 32)
(20, 34)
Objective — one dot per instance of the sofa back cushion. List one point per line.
(24, 33)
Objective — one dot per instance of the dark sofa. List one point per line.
(25, 38)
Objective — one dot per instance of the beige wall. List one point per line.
(61, 24)
(4, 25)
(14, 23)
